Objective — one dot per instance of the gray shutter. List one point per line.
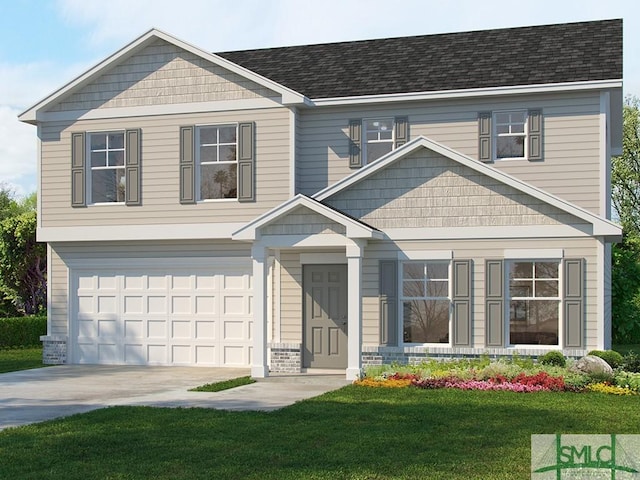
(355, 143)
(462, 303)
(133, 178)
(78, 170)
(187, 165)
(535, 135)
(401, 131)
(484, 137)
(388, 302)
(494, 303)
(573, 272)
(246, 162)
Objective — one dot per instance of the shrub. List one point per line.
(22, 331)
(628, 380)
(500, 369)
(553, 357)
(631, 363)
(613, 358)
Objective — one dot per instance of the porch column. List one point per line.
(259, 366)
(354, 310)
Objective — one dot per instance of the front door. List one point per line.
(325, 316)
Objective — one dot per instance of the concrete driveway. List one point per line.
(42, 394)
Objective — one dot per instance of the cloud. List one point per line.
(18, 150)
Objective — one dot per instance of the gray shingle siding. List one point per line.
(574, 52)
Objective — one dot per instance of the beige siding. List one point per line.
(302, 221)
(571, 165)
(291, 297)
(429, 190)
(162, 74)
(160, 181)
(476, 250)
(119, 252)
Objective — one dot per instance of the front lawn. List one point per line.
(13, 359)
(353, 433)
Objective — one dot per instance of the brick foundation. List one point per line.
(54, 349)
(286, 357)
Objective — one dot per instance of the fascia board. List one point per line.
(468, 93)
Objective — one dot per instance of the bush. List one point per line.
(613, 358)
(631, 363)
(553, 357)
(22, 331)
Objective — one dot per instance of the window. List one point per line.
(510, 134)
(107, 172)
(378, 135)
(217, 161)
(534, 302)
(425, 302)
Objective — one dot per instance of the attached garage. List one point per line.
(154, 315)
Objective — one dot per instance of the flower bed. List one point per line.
(522, 376)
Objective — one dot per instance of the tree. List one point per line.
(625, 190)
(22, 260)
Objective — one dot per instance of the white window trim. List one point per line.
(560, 298)
(494, 134)
(198, 164)
(400, 297)
(365, 142)
(89, 168)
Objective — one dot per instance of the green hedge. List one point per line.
(22, 331)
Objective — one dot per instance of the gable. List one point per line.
(162, 73)
(303, 221)
(428, 190)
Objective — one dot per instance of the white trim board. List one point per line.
(188, 231)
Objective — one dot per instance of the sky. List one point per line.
(46, 43)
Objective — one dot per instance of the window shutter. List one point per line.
(187, 166)
(494, 303)
(133, 178)
(355, 143)
(462, 303)
(535, 135)
(246, 162)
(484, 137)
(573, 273)
(401, 131)
(388, 302)
(78, 170)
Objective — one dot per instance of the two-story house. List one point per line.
(331, 206)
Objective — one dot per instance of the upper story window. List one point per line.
(378, 138)
(514, 134)
(425, 302)
(217, 161)
(372, 138)
(510, 134)
(107, 167)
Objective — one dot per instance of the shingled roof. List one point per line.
(573, 52)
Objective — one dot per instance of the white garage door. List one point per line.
(194, 316)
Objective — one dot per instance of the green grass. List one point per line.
(15, 359)
(224, 385)
(353, 433)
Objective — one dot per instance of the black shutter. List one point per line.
(78, 170)
(246, 162)
(355, 143)
(388, 302)
(187, 166)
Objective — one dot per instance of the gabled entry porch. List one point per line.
(330, 316)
